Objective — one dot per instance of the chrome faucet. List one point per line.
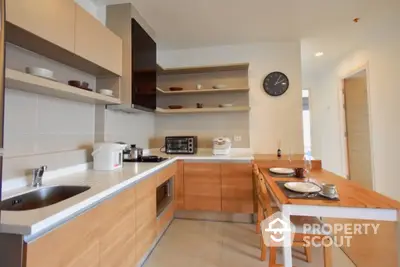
(37, 176)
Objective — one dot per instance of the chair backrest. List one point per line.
(256, 173)
(264, 197)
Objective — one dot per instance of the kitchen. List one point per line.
(66, 128)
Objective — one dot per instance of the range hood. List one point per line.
(139, 63)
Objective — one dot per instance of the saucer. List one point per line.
(334, 196)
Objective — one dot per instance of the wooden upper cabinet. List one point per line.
(52, 20)
(96, 43)
(237, 187)
(202, 186)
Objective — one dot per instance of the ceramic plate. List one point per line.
(303, 187)
(282, 170)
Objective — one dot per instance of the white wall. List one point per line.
(135, 128)
(271, 118)
(381, 53)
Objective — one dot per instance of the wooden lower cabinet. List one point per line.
(146, 213)
(178, 187)
(237, 188)
(202, 186)
(102, 236)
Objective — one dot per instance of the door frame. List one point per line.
(342, 111)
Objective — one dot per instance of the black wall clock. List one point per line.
(276, 83)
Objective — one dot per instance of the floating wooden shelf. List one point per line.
(202, 69)
(203, 91)
(29, 83)
(201, 110)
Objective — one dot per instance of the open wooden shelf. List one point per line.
(202, 69)
(29, 83)
(203, 91)
(202, 110)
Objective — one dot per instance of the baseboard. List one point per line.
(215, 216)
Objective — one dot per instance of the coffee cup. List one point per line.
(329, 189)
(299, 172)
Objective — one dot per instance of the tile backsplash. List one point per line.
(43, 130)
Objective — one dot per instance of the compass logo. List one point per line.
(275, 229)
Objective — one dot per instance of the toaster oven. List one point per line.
(181, 144)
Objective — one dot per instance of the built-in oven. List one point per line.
(181, 144)
(164, 195)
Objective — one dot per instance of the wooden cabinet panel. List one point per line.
(178, 187)
(117, 230)
(146, 213)
(71, 245)
(202, 186)
(166, 173)
(102, 236)
(237, 187)
(97, 43)
(52, 20)
(165, 218)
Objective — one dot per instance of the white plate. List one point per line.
(281, 170)
(303, 187)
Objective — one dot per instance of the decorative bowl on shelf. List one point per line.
(106, 92)
(175, 106)
(225, 105)
(220, 86)
(173, 89)
(79, 84)
(40, 72)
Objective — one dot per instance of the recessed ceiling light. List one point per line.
(319, 54)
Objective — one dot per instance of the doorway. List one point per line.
(357, 134)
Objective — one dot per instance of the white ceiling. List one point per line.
(321, 25)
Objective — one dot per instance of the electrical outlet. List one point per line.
(237, 138)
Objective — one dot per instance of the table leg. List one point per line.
(287, 249)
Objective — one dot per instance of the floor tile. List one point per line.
(189, 243)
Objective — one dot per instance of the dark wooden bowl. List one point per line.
(175, 88)
(175, 107)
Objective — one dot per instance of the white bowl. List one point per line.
(41, 72)
(107, 92)
(225, 105)
(220, 86)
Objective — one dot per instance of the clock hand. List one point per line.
(278, 79)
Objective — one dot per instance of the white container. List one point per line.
(107, 156)
(222, 146)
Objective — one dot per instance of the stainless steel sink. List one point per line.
(41, 197)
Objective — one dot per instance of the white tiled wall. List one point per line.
(37, 124)
(136, 128)
(44, 130)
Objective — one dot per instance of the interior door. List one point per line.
(358, 133)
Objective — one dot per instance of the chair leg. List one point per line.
(272, 256)
(263, 256)
(327, 256)
(259, 214)
(307, 251)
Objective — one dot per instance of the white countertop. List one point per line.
(32, 223)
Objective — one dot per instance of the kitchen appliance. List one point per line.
(222, 146)
(164, 195)
(2, 70)
(139, 61)
(181, 144)
(146, 159)
(107, 156)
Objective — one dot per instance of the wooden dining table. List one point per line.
(355, 202)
